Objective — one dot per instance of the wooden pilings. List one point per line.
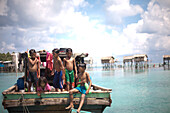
(108, 62)
(128, 60)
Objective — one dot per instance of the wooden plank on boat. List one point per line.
(54, 101)
(95, 87)
(9, 90)
(97, 90)
(55, 95)
(12, 91)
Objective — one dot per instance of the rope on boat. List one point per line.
(21, 100)
(2, 109)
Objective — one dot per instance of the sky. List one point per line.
(99, 27)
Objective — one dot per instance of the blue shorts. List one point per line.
(58, 81)
(32, 77)
(82, 89)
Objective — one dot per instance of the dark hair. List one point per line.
(57, 51)
(32, 51)
(82, 65)
(54, 49)
(69, 49)
(42, 79)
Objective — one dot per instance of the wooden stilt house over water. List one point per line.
(166, 59)
(107, 62)
(128, 59)
(53, 102)
(140, 60)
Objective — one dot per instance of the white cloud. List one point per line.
(164, 3)
(156, 19)
(156, 22)
(118, 9)
(38, 25)
(3, 8)
(8, 47)
(14, 16)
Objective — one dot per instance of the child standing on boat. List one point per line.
(49, 65)
(59, 74)
(42, 86)
(34, 69)
(70, 67)
(83, 80)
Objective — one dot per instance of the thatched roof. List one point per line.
(127, 57)
(107, 58)
(140, 55)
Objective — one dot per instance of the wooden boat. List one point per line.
(54, 102)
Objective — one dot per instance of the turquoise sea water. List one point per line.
(133, 91)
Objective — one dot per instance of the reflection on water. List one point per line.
(133, 70)
(136, 91)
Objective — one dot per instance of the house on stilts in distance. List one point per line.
(107, 62)
(127, 61)
(139, 61)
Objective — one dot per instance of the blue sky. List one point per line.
(98, 27)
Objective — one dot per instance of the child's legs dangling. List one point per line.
(71, 98)
(81, 102)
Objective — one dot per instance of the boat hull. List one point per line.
(55, 109)
(54, 102)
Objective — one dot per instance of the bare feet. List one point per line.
(61, 90)
(78, 111)
(56, 89)
(69, 107)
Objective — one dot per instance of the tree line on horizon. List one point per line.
(5, 57)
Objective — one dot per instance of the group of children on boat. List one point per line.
(63, 71)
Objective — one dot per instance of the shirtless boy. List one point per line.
(33, 68)
(69, 64)
(59, 74)
(83, 78)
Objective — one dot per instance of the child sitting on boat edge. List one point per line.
(83, 80)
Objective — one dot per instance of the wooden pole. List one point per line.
(168, 63)
(164, 63)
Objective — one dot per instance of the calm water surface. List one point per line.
(133, 91)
